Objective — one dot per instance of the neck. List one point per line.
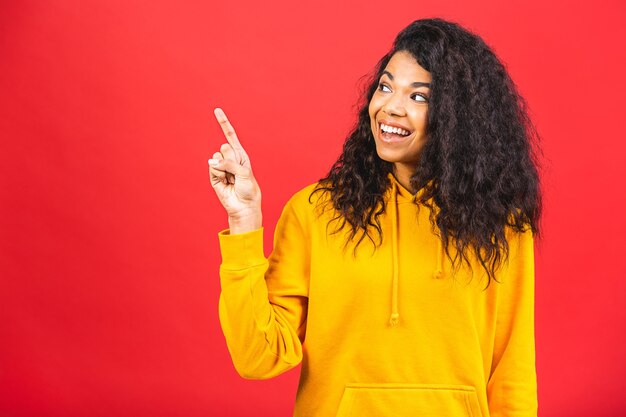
(403, 174)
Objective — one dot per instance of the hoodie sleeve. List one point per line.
(512, 386)
(263, 302)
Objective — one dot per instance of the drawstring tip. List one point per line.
(393, 321)
(437, 274)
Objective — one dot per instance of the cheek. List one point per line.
(420, 119)
(372, 111)
(374, 106)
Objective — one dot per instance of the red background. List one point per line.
(109, 253)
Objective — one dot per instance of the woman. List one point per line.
(408, 269)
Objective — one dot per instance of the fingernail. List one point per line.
(213, 162)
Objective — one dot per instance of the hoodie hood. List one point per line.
(400, 194)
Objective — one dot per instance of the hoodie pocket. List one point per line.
(400, 400)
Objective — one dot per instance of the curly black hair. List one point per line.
(478, 169)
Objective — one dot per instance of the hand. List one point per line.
(233, 181)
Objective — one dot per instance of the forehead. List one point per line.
(403, 66)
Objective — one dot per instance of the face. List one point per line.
(399, 112)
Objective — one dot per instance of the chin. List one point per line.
(388, 155)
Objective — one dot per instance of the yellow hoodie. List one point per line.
(388, 332)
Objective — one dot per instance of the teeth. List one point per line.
(395, 130)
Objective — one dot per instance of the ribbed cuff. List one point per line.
(241, 250)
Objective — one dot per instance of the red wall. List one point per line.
(109, 253)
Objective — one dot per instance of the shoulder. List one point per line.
(309, 203)
(521, 248)
(309, 197)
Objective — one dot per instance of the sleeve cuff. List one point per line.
(241, 250)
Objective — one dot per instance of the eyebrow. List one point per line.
(414, 84)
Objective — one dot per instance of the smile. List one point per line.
(396, 130)
(392, 134)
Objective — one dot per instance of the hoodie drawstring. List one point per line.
(439, 272)
(395, 316)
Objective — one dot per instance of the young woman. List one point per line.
(403, 280)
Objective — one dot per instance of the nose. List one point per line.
(395, 105)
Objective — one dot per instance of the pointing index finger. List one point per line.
(228, 129)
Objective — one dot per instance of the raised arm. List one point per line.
(263, 302)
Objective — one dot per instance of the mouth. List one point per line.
(391, 134)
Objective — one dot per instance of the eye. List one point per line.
(382, 86)
(421, 98)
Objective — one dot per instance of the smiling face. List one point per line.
(399, 113)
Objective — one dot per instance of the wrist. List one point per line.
(245, 222)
